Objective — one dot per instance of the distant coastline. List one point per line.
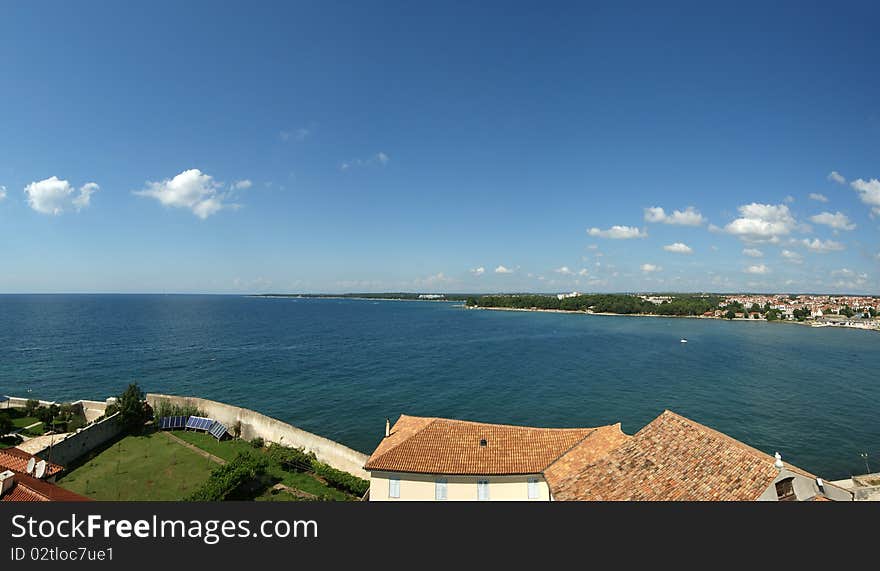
(718, 318)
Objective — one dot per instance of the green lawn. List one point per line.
(23, 421)
(226, 449)
(229, 449)
(140, 468)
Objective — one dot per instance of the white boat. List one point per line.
(684, 340)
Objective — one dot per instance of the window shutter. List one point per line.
(394, 488)
(533, 488)
(482, 489)
(440, 489)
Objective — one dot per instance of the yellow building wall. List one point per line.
(420, 487)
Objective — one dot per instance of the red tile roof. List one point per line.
(16, 460)
(674, 458)
(445, 446)
(29, 489)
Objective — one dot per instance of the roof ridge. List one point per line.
(516, 426)
(432, 419)
(578, 443)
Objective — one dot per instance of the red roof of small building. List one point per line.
(17, 460)
(28, 489)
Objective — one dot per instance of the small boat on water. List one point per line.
(684, 340)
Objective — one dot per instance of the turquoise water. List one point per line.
(339, 367)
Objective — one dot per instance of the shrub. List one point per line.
(341, 480)
(228, 478)
(292, 459)
(11, 440)
(166, 408)
(257, 442)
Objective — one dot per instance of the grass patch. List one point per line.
(140, 468)
(23, 421)
(229, 449)
(226, 449)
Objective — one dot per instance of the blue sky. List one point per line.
(454, 146)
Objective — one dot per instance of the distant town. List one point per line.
(818, 310)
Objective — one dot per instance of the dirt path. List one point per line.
(195, 449)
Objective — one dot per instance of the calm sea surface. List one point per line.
(339, 367)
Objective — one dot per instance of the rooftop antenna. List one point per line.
(778, 462)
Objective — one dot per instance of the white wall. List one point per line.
(421, 487)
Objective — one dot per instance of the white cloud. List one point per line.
(679, 248)
(792, 257)
(869, 192)
(503, 270)
(762, 222)
(838, 220)
(478, 271)
(583, 272)
(759, 269)
(618, 232)
(242, 184)
(788, 199)
(836, 177)
(687, 217)
(55, 196)
(818, 197)
(650, 268)
(564, 271)
(379, 158)
(818, 246)
(301, 134)
(843, 272)
(191, 189)
(753, 253)
(2, 192)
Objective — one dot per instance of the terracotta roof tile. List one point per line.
(674, 458)
(445, 446)
(594, 446)
(29, 489)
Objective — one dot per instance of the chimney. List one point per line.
(387, 427)
(7, 480)
(778, 462)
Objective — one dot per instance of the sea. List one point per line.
(340, 367)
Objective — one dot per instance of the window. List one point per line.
(533, 488)
(482, 489)
(394, 488)
(440, 489)
(785, 490)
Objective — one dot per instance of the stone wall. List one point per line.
(83, 441)
(254, 424)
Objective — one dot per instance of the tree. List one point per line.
(730, 314)
(132, 412)
(5, 424)
(31, 406)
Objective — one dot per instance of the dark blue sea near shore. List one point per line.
(338, 367)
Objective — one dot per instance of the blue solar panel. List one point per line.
(199, 423)
(217, 430)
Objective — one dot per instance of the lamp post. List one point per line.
(864, 456)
